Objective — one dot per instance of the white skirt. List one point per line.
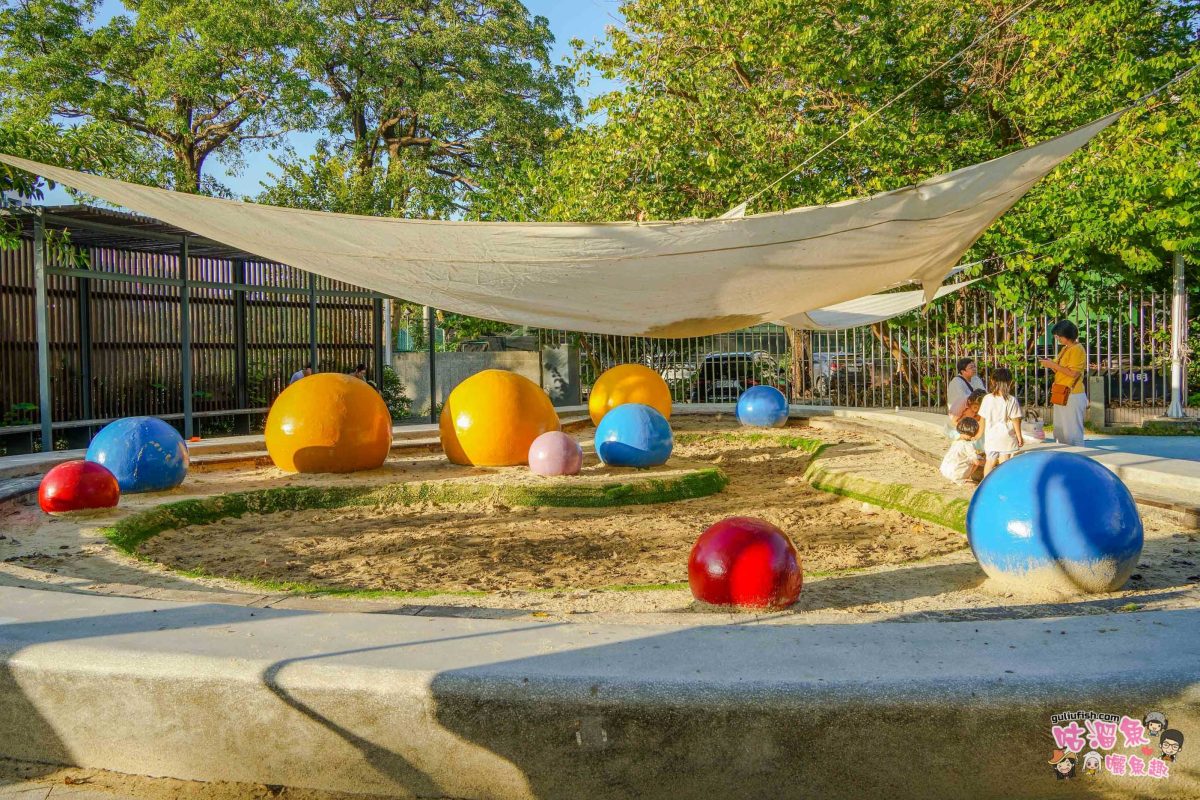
(1068, 420)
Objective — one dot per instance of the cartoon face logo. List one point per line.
(1091, 763)
(1063, 764)
(1155, 723)
(1171, 743)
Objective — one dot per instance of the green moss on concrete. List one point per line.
(640, 587)
(813, 446)
(949, 512)
(127, 534)
(298, 587)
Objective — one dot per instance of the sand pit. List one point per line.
(490, 546)
(491, 558)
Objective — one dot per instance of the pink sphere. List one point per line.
(743, 561)
(555, 453)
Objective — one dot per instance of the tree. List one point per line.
(427, 101)
(184, 80)
(720, 100)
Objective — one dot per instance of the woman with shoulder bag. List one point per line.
(1067, 393)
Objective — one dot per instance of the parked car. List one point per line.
(677, 373)
(833, 370)
(670, 366)
(722, 377)
(491, 344)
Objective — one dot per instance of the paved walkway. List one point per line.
(514, 710)
(1181, 447)
(1152, 475)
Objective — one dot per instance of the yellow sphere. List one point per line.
(492, 417)
(629, 383)
(329, 422)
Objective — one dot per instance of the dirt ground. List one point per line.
(490, 547)
(23, 780)
(861, 564)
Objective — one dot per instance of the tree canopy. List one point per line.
(453, 108)
(170, 83)
(719, 100)
(426, 102)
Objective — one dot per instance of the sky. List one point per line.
(569, 19)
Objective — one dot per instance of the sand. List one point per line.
(861, 565)
(490, 547)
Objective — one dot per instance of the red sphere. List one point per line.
(743, 561)
(78, 485)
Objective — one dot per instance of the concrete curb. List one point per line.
(416, 707)
(252, 449)
(921, 503)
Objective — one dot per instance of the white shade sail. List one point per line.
(866, 310)
(681, 278)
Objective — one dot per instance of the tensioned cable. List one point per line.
(740, 208)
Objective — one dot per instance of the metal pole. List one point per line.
(388, 341)
(241, 366)
(431, 330)
(43, 335)
(1178, 337)
(185, 336)
(85, 345)
(378, 337)
(312, 321)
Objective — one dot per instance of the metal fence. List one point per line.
(115, 330)
(906, 362)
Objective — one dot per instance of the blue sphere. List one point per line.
(144, 453)
(1048, 520)
(762, 407)
(634, 435)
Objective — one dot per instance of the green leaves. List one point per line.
(425, 102)
(718, 100)
(180, 80)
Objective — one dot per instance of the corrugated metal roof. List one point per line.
(123, 230)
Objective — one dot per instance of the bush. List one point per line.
(398, 403)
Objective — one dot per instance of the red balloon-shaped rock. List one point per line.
(743, 561)
(77, 486)
(555, 453)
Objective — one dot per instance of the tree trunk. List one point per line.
(189, 165)
(905, 367)
(800, 346)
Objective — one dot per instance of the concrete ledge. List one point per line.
(417, 707)
(933, 507)
(236, 449)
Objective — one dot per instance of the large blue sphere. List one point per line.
(634, 435)
(1053, 521)
(762, 407)
(145, 453)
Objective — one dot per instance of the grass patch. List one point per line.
(1152, 429)
(129, 533)
(640, 587)
(312, 589)
(920, 503)
(813, 446)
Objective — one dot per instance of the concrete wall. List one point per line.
(554, 369)
(560, 375)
